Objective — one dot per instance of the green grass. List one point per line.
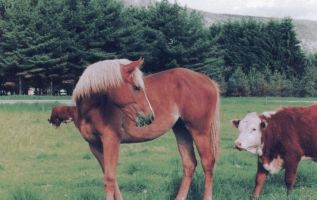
(40, 162)
(35, 97)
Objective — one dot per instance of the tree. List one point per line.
(258, 84)
(169, 36)
(308, 82)
(279, 85)
(238, 84)
(250, 43)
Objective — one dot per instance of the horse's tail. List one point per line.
(215, 125)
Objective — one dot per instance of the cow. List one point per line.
(65, 114)
(281, 139)
(62, 114)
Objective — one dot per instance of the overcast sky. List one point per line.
(299, 9)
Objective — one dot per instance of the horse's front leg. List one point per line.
(111, 147)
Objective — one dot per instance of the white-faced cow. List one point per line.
(280, 139)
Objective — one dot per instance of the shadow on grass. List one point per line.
(89, 195)
(196, 188)
(91, 183)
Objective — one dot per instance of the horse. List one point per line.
(117, 105)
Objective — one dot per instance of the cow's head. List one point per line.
(55, 121)
(250, 133)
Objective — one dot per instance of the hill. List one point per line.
(305, 29)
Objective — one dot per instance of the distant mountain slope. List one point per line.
(305, 29)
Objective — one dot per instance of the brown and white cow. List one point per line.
(62, 114)
(280, 139)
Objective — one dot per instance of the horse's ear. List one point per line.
(140, 62)
(127, 70)
(235, 122)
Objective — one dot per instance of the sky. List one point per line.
(297, 9)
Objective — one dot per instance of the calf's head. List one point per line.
(55, 121)
(250, 133)
(61, 114)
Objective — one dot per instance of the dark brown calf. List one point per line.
(62, 114)
(281, 139)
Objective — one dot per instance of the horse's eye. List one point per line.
(253, 129)
(136, 88)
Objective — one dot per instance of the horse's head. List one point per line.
(131, 96)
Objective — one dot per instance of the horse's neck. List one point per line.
(160, 125)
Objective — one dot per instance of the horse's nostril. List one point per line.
(149, 121)
(144, 120)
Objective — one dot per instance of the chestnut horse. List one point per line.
(117, 105)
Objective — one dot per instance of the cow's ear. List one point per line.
(235, 122)
(263, 124)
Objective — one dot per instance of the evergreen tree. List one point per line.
(249, 43)
(238, 84)
(280, 85)
(174, 37)
(56, 39)
(258, 84)
(308, 82)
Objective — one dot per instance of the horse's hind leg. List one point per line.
(96, 149)
(186, 150)
(204, 146)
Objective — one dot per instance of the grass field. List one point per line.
(39, 162)
(20, 97)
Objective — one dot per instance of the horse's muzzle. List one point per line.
(144, 120)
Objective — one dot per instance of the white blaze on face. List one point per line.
(138, 81)
(250, 134)
(138, 78)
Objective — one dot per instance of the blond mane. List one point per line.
(99, 77)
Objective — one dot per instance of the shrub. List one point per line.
(238, 84)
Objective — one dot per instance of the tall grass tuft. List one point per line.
(196, 189)
(88, 195)
(24, 194)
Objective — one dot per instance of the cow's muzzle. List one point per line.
(238, 146)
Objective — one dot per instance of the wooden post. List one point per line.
(20, 85)
(51, 88)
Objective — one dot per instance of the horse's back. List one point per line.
(182, 77)
(194, 94)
